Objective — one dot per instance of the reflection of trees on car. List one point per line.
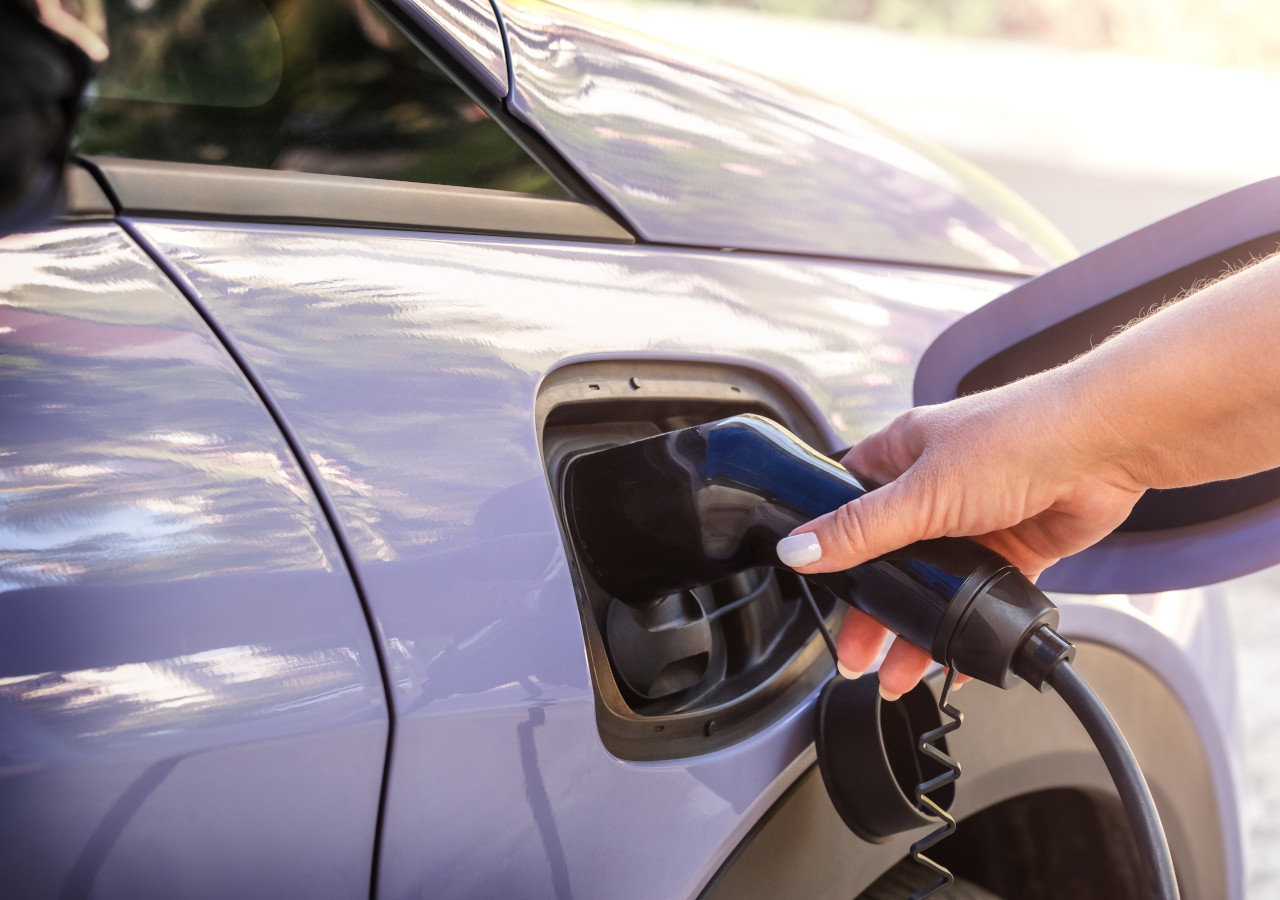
(306, 85)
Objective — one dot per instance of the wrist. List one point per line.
(1080, 431)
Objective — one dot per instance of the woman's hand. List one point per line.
(1004, 467)
(1043, 467)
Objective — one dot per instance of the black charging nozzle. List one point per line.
(693, 506)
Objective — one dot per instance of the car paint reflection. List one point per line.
(176, 623)
(132, 448)
(691, 151)
(423, 347)
(227, 687)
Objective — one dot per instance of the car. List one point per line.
(289, 604)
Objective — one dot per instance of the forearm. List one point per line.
(1188, 395)
(1043, 467)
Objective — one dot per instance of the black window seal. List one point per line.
(528, 139)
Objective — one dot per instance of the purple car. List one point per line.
(288, 607)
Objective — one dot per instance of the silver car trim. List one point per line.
(185, 190)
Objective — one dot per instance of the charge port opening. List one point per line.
(693, 672)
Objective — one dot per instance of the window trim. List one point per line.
(186, 190)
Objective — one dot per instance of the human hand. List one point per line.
(1006, 467)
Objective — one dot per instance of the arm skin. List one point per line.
(1046, 466)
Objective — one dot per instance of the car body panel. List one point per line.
(408, 366)
(468, 29)
(190, 702)
(691, 151)
(412, 382)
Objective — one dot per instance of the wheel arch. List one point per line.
(1024, 757)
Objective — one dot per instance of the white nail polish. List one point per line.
(889, 696)
(847, 672)
(799, 550)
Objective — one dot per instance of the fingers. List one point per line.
(903, 667)
(885, 455)
(874, 524)
(884, 519)
(871, 460)
(859, 643)
(1016, 550)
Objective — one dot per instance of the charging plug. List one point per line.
(693, 506)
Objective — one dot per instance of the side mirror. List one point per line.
(46, 58)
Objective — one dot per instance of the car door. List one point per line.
(190, 700)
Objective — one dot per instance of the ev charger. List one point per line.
(693, 506)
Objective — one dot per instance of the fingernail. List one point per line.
(955, 687)
(889, 696)
(799, 549)
(847, 672)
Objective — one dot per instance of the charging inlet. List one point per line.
(691, 670)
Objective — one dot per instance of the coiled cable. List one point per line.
(1044, 660)
(930, 746)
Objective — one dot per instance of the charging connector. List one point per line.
(690, 507)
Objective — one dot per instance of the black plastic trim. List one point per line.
(528, 139)
(185, 190)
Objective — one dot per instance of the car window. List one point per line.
(324, 86)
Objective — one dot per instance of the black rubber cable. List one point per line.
(1157, 862)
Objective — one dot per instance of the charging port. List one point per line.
(698, 670)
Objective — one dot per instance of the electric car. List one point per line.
(289, 603)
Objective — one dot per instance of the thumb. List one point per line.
(883, 520)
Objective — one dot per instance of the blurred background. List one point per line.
(1106, 115)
